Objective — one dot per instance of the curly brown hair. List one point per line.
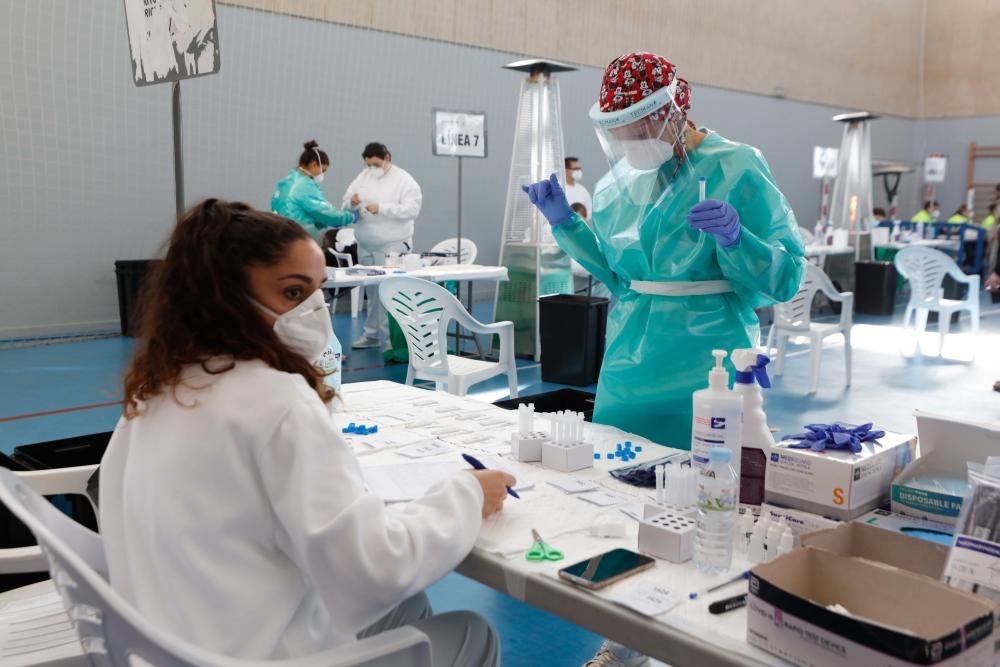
(197, 304)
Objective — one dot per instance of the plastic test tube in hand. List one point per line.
(701, 188)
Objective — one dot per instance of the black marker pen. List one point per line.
(722, 606)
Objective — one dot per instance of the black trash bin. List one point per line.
(64, 453)
(554, 401)
(572, 335)
(874, 288)
(80, 450)
(131, 275)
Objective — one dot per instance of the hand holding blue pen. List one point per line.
(478, 465)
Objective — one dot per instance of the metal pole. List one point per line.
(459, 248)
(175, 98)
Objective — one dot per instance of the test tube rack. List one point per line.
(668, 536)
(526, 443)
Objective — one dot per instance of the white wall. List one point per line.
(86, 172)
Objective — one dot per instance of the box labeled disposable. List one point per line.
(836, 483)
(813, 607)
(914, 499)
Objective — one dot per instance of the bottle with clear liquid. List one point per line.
(718, 498)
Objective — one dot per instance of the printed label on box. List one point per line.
(927, 501)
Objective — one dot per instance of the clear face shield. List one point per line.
(644, 143)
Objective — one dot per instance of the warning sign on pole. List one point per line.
(172, 40)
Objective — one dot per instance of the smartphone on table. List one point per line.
(606, 568)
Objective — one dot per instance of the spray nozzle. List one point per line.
(751, 366)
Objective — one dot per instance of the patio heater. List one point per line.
(851, 205)
(536, 265)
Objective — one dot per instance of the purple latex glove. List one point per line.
(718, 218)
(549, 197)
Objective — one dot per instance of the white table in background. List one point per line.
(687, 635)
(821, 252)
(467, 273)
(937, 244)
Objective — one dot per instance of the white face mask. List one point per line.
(577, 174)
(376, 171)
(935, 213)
(319, 177)
(306, 328)
(647, 154)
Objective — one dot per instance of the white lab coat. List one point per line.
(577, 194)
(398, 197)
(238, 519)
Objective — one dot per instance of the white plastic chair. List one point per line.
(926, 268)
(794, 318)
(469, 249)
(423, 310)
(34, 627)
(112, 632)
(344, 260)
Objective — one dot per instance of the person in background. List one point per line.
(233, 513)
(929, 213)
(389, 200)
(878, 214)
(300, 198)
(989, 223)
(960, 217)
(575, 192)
(583, 282)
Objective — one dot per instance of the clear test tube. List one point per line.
(701, 188)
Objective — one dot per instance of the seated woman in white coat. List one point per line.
(233, 513)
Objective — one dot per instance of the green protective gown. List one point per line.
(300, 198)
(659, 348)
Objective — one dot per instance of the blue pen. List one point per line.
(478, 465)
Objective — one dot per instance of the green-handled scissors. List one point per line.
(540, 550)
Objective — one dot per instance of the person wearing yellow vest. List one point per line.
(960, 217)
(929, 213)
(989, 223)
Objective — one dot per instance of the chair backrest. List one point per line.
(422, 309)
(111, 632)
(925, 268)
(343, 259)
(469, 249)
(796, 313)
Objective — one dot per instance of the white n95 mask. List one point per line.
(306, 328)
(577, 174)
(647, 154)
(319, 177)
(377, 172)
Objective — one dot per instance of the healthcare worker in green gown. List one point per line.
(299, 196)
(688, 273)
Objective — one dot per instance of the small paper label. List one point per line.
(602, 498)
(422, 450)
(647, 600)
(573, 484)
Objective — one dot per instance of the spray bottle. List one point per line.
(718, 413)
(755, 438)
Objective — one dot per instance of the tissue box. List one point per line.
(836, 483)
(894, 618)
(800, 522)
(922, 503)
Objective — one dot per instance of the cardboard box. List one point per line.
(932, 531)
(836, 483)
(895, 617)
(860, 540)
(926, 504)
(799, 521)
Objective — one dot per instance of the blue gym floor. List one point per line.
(61, 390)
